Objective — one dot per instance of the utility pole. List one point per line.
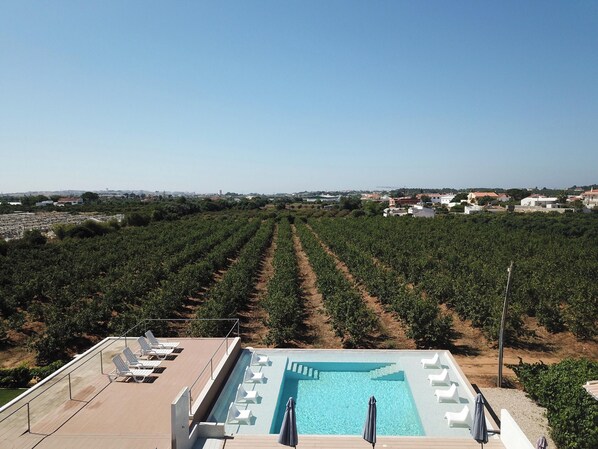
(502, 326)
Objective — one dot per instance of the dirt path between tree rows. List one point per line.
(253, 317)
(391, 333)
(318, 332)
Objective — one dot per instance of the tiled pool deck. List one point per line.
(430, 411)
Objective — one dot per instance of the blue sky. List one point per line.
(284, 96)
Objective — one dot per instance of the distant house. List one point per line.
(422, 212)
(538, 200)
(590, 198)
(394, 212)
(447, 199)
(44, 203)
(435, 198)
(475, 209)
(402, 201)
(474, 197)
(15, 203)
(370, 196)
(323, 198)
(69, 201)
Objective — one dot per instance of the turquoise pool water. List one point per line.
(336, 402)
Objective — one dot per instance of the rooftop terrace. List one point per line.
(81, 406)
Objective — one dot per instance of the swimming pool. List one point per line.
(332, 388)
(334, 400)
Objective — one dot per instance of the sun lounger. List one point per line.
(238, 416)
(156, 344)
(449, 395)
(259, 359)
(434, 362)
(122, 370)
(147, 351)
(440, 379)
(134, 362)
(460, 418)
(252, 377)
(245, 396)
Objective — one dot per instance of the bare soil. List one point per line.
(318, 332)
(478, 357)
(253, 318)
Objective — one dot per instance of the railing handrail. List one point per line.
(213, 355)
(111, 340)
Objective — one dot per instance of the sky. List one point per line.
(286, 96)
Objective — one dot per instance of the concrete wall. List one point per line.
(208, 395)
(511, 435)
(179, 421)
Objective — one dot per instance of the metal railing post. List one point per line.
(70, 391)
(28, 419)
(238, 329)
(102, 361)
(211, 370)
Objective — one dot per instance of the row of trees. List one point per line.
(462, 261)
(425, 323)
(283, 301)
(103, 285)
(232, 292)
(351, 319)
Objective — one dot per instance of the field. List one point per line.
(310, 279)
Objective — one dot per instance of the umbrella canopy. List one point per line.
(288, 429)
(479, 431)
(369, 428)
(541, 443)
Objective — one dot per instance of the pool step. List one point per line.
(304, 372)
(389, 372)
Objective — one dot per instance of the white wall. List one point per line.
(511, 435)
(179, 416)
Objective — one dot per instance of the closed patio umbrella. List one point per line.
(369, 428)
(479, 431)
(541, 443)
(288, 429)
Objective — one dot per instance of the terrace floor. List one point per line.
(112, 415)
(353, 442)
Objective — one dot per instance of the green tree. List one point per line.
(517, 194)
(350, 202)
(90, 197)
(34, 237)
(459, 197)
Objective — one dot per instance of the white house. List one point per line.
(422, 212)
(394, 212)
(447, 199)
(434, 198)
(538, 200)
(473, 209)
(590, 198)
(71, 201)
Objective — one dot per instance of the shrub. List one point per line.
(572, 413)
(34, 237)
(15, 377)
